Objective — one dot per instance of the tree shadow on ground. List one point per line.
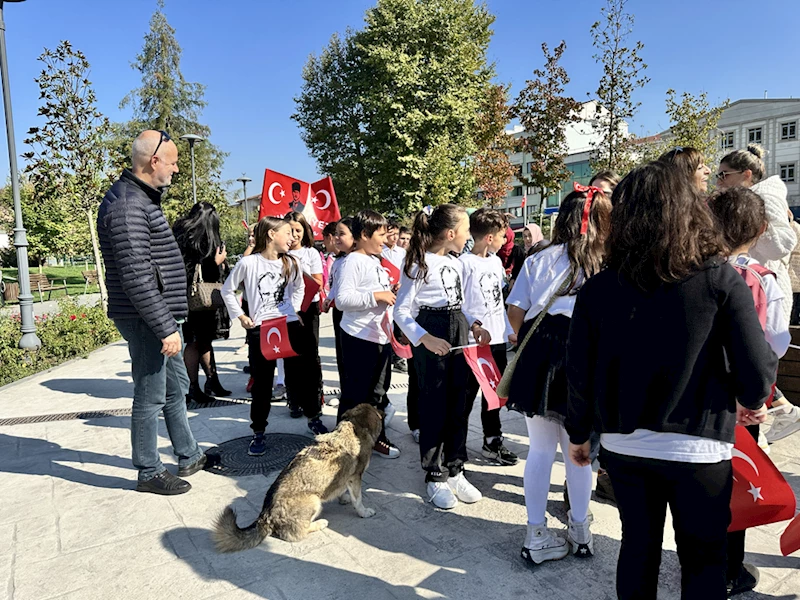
(110, 389)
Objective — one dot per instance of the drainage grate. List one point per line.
(125, 412)
(231, 459)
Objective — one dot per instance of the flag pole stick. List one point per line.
(462, 347)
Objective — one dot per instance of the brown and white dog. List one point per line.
(317, 474)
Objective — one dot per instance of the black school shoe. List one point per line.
(165, 484)
(497, 451)
(194, 467)
(295, 411)
(746, 581)
(400, 366)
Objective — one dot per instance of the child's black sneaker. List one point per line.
(316, 426)
(497, 451)
(295, 411)
(258, 445)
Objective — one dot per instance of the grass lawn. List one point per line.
(75, 282)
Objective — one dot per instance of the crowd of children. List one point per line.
(637, 340)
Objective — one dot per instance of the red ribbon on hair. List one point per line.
(590, 191)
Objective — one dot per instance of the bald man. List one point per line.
(146, 284)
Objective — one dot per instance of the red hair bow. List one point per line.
(590, 191)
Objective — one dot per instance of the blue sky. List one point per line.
(250, 55)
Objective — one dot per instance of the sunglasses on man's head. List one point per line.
(164, 138)
(723, 174)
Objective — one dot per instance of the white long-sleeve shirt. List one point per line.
(395, 255)
(310, 261)
(269, 294)
(358, 280)
(333, 276)
(540, 277)
(777, 327)
(483, 295)
(443, 288)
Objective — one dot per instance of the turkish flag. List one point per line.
(392, 271)
(282, 194)
(312, 287)
(401, 350)
(524, 201)
(760, 493)
(322, 207)
(275, 342)
(481, 361)
(790, 540)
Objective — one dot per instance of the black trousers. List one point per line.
(699, 497)
(794, 319)
(337, 338)
(367, 370)
(412, 398)
(490, 419)
(302, 373)
(736, 538)
(442, 384)
(310, 319)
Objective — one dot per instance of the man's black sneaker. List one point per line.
(295, 411)
(165, 484)
(258, 445)
(194, 467)
(316, 426)
(497, 451)
(400, 366)
(746, 581)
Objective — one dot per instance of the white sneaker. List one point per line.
(784, 424)
(541, 545)
(415, 435)
(463, 489)
(580, 538)
(388, 414)
(763, 443)
(279, 392)
(332, 401)
(440, 494)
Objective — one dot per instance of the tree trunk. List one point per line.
(98, 261)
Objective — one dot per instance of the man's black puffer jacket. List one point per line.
(145, 274)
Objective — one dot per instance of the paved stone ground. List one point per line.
(71, 525)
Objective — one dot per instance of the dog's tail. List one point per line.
(229, 537)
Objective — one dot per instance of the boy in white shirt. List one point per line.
(483, 298)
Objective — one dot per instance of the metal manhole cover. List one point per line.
(230, 458)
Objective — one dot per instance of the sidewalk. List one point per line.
(71, 525)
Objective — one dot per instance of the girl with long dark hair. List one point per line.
(429, 313)
(198, 237)
(665, 355)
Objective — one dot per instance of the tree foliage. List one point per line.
(693, 123)
(623, 74)
(545, 112)
(166, 101)
(69, 158)
(492, 168)
(389, 112)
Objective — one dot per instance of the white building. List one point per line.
(251, 208)
(774, 124)
(580, 136)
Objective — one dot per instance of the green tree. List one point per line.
(545, 112)
(396, 104)
(492, 166)
(693, 123)
(166, 101)
(623, 74)
(68, 163)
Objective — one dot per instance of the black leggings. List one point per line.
(301, 374)
(490, 419)
(310, 319)
(442, 395)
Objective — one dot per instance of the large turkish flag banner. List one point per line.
(275, 342)
(481, 361)
(760, 493)
(282, 194)
(322, 207)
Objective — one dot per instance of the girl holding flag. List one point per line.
(540, 307)
(429, 313)
(273, 282)
(363, 294)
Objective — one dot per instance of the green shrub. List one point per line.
(73, 331)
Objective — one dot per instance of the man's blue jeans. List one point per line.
(159, 384)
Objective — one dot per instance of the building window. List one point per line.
(528, 167)
(754, 135)
(726, 140)
(517, 191)
(788, 173)
(789, 131)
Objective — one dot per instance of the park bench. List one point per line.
(41, 283)
(90, 277)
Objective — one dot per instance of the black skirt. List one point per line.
(539, 383)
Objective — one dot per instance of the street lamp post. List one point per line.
(192, 138)
(245, 181)
(29, 340)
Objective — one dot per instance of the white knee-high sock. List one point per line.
(281, 378)
(543, 436)
(579, 481)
